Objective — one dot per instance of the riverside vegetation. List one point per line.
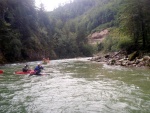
(31, 33)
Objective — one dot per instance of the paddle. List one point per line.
(41, 74)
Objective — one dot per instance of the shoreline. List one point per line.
(122, 59)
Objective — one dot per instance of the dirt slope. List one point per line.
(97, 37)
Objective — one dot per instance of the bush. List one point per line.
(116, 41)
(125, 43)
(100, 47)
(87, 50)
(110, 44)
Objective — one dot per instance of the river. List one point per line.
(75, 86)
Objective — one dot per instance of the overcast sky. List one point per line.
(50, 4)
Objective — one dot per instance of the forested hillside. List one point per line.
(25, 32)
(30, 33)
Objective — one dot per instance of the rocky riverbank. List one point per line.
(121, 58)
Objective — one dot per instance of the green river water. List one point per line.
(75, 86)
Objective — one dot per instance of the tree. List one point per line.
(135, 19)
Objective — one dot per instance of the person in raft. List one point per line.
(44, 61)
(25, 68)
(47, 60)
(38, 69)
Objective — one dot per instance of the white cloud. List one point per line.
(50, 4)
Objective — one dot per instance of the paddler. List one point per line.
(26, 68)
(48, 60)
(44, 61)
(38, 69)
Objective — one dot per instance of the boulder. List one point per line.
(133, 55)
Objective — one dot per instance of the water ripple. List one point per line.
(76, 86)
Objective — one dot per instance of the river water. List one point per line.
(75, 86)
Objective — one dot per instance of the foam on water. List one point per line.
(76, 86)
